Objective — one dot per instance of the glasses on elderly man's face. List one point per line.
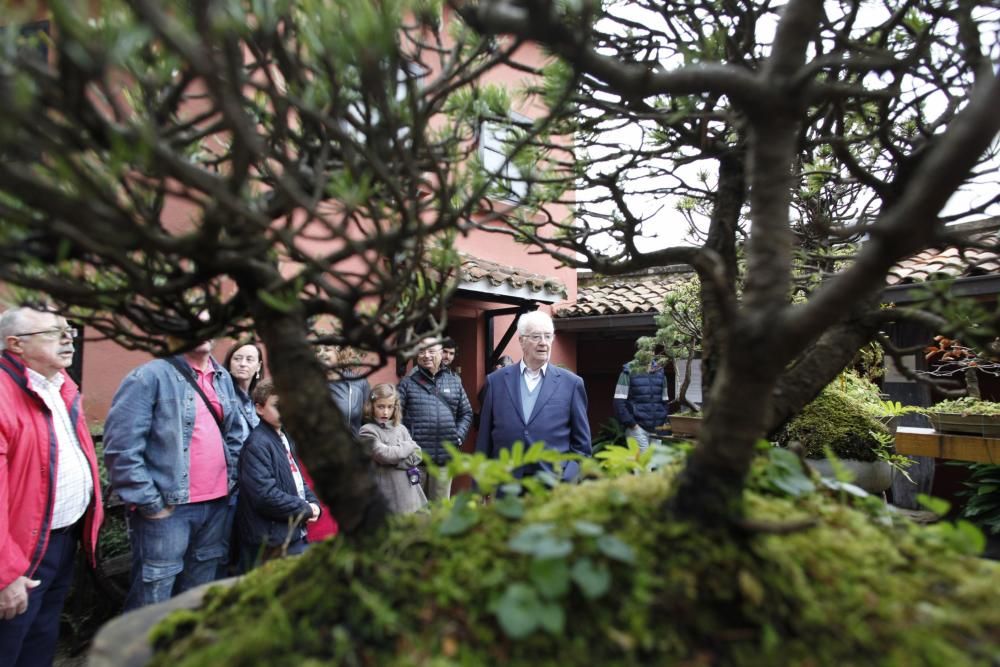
(51, 334)
(539, 337)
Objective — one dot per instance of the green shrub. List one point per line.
(982, 492)
(838, 420)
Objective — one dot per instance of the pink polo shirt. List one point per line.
(208, 476)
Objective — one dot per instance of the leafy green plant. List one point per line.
(964, 406)
(616, 460)
(885, 450)
(493, 474)
(843, 418)
(610, 432)
(983, 493)
(580, 554)
(560, 557)
(783, 473)
(890, 409)
(962, 536)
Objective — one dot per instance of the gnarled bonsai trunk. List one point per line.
(710, 488)
(326, 446)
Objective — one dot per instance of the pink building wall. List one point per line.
(105, 363)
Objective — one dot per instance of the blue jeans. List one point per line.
(231, 562)
(29, 639)
(176, 553)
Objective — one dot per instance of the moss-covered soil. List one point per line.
(838, 420)
(594, 575)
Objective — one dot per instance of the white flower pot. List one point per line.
(872, 476)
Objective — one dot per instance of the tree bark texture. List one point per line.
(336, 462)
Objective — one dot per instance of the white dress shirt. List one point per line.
(74, 483)
(532, 378)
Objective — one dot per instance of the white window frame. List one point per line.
(493, 138)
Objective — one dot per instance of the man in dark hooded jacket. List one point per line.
(436, 410)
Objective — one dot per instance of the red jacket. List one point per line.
(28, 459)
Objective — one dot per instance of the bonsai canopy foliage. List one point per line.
(843, 418)
(592, 575)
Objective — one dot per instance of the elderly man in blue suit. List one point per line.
(533, 400)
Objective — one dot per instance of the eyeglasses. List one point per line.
(539, 337)
(51, 334)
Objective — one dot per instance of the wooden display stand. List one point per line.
(928, 442)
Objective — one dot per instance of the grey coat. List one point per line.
(393, 452)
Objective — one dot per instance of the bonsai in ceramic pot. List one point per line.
(966, 415)
(970, 414)
(847, 419)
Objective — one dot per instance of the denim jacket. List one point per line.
(147, 434)
(247, 409)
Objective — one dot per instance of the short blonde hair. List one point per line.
(380, 391)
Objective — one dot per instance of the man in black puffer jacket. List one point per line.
(436, 410)
(641, 404)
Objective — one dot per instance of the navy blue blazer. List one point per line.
(559, 418)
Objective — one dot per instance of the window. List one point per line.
(365, 115)
(495, 142)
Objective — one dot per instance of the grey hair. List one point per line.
(536, 317)
(11, 321)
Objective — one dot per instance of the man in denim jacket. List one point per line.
(174, 463)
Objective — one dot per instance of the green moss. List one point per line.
(966, 405)
(838, 421)
(862, 587)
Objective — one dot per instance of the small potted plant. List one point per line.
(969, 414)
(686, 424)
(849, 420)
(966, 415)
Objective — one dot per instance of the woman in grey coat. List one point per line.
(394, 453)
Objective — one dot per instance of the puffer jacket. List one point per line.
(644, 405)
(435, 410)
(349, 394)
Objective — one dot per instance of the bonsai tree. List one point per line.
(300, 139)
(846, 419)
(947, 357)
(809, 117)
(322, 156)
(266, 166)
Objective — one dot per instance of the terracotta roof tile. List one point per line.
(622, 295)
(475, 269)
(948, 262)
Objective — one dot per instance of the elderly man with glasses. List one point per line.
(534, 400)
(50, 492)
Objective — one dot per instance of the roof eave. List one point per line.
(968, 286)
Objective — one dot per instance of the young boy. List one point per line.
(274, 501)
